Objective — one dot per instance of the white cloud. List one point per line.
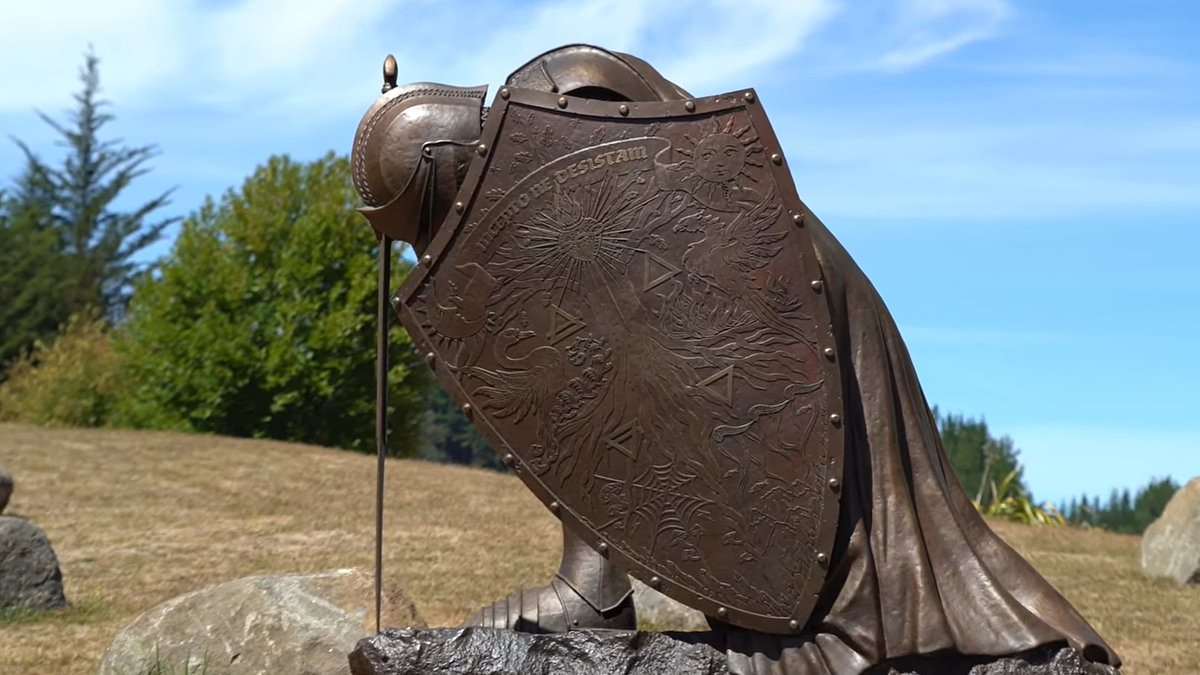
(927, 29)
(316, 55)
(893, 36)
(41, 47)
(723, 42)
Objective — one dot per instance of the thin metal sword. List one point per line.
(381, 374)
(381, 398)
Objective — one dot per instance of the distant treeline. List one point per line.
(1122, 511)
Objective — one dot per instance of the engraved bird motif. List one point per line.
(728, 258)
(524, 386)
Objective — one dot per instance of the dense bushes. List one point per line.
(260, 322)
(74, 380)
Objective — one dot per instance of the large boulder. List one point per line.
(585, 652)
(6, 487)
(1171, 545)
(29, 573)
(269, 624)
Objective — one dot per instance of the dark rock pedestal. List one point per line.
(29, 574)
(413, 651)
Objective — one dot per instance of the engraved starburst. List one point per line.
(583, 231)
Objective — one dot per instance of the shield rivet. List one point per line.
(430, 357)
(749, 96)
(467, 409)
(426, 259)
(655, 582)
(603, 548)
(776, 158)
(822, 559)
(624, 109)
(509, 459)
(835, 419)
(798, 218)
(553, 507)
(794, 625)
(562, 101)
(689, 106)
(722, 612)
(482, 149)
(458, 207)
(504, 93)
(835, 484)
(817, 285)
(829, 353)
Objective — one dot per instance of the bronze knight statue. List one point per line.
(619, 284)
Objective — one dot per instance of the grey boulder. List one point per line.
(1171, 545)
(268, 624)
(29, 572)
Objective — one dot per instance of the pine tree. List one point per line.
(77, 201)
(30, 274)
(978, 458)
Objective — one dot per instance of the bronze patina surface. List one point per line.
(627, 302)
(620, 286)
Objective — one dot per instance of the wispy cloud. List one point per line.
(922, 30)
(896, 36)
(317, 54)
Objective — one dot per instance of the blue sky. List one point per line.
(1021, 180)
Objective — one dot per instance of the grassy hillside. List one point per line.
(137, 518)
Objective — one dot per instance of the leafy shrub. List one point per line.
(261, 321)
(75, 380)
(1008, 501)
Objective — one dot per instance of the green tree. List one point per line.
(77, 201)
(261, 321)
(450, 436)
(979, 459)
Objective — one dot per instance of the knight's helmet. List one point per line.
(411, 152)
(414, 144)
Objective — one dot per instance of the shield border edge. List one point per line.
(456, 219)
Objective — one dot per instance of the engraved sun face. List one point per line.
(719, 157)
(720, 163)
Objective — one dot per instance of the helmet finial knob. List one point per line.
(389, 73)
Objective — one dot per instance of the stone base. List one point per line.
(414, 651)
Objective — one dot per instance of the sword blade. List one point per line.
(381, 406)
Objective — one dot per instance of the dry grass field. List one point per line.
(137, 518)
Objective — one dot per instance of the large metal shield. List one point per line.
(627, 303)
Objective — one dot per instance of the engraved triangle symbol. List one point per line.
(563, 325)
(719, 384)
(627, 440)
(657, 266)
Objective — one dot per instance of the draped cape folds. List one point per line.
(915, 568)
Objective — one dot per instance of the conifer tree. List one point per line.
(77, 201)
